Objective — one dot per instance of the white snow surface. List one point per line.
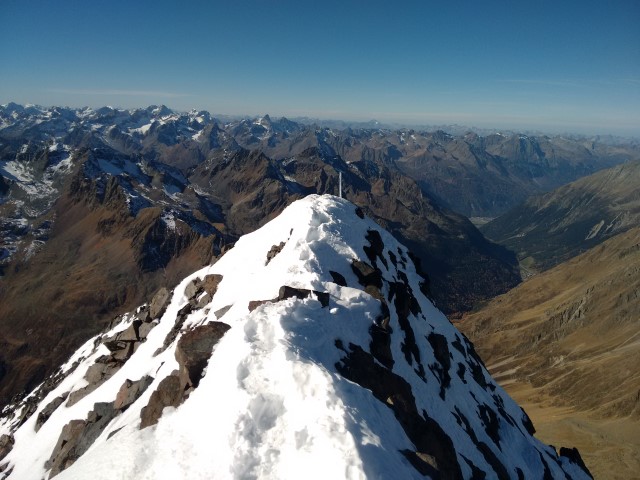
(272, 404)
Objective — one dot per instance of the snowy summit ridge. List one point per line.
(309, 350)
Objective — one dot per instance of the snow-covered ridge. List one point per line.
(326, 359)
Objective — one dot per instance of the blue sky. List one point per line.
(550, 66)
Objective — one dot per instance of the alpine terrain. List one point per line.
(566, 344)
(311, 349)
(100, 208)
(551, 228)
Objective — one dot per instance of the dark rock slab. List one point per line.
(574, 457)
(130, 391)
(442, 366)
(183, 313)
(159, 303)
(338, 279)
(291, 292)
(275, 250)
(6, 445)
(46, 412)
(78, 435)
(194, 349)
(367, 275)
(375, 248)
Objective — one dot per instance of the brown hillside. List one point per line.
(566, 345)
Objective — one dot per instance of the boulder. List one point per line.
(367, 275)
(120, 343)
(253, 304)
(96, 372)
(220, 313)
(144, 330)
(338, 278)
(288, 292)
(192, 289)
(159, 303)
(168, 394)
(62, 455)
(96, 375)
(275, 250)
(211, 282)
(6, 445)
(78, 435)
(143, 314)
(196, 286)
(130, 391)
(194, 349)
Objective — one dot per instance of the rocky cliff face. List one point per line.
(310, 347)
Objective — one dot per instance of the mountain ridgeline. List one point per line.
(310, 348)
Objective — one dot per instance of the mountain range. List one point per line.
(128, 201)
(310, 349)
(100, 208)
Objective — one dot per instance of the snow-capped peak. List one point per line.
(309, 350)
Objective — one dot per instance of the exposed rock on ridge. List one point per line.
(352, 378)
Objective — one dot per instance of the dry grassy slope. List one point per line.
(566, 344)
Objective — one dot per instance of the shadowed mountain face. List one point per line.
(102, 207)
(550, 228)
(567, 340)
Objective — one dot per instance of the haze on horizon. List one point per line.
(569, 66)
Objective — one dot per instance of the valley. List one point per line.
(567, 343)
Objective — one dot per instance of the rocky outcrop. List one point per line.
(130, 392)
(273, 251)
(159, 303)
(434, 455)
(199, 291)
(77, 436)
(122, 346)
(169, 393)
(194, 349)
(192, 353)
(46, 412)
(6, 444)
(292, 292)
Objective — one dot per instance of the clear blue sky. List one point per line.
(548, 65)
